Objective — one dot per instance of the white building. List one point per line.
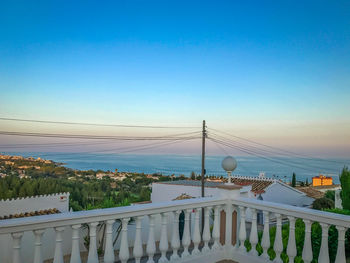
(254, 187)
(43, 205)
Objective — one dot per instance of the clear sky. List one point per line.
(273, 71)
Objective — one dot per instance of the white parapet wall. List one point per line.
(59, 201)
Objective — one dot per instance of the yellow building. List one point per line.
(322, 180)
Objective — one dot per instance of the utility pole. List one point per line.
(204, 134)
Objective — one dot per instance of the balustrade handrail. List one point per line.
(71, 218)
(298, 212)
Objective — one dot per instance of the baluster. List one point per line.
(163, 243)
(186, 238)
(307, 250)
(292, 248)
(151, 247)
(242, 229)
(58, 258)
(265, 243)
(92, 256)
(216, 228)
(109, 256)
(16, 247)
(37, 251)
(196, 233)
(253, 237)
(206, 230)
(75, 256)
(175, 238)
(124, 246)
(278, 246)
(340, 258)
(323, 257)
(138, 250)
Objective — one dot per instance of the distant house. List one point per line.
(253, 187)
(322, 180)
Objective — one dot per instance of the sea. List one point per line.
(274, 167)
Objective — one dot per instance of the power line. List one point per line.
(98, 124)
(279, 150)
(124, 149)
(257, 154)
(259, 150)
(96, 137)
(294, 161)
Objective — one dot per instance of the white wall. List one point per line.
(35, 203)
(16, 206)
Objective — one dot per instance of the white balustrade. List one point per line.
(216, 228)
(16, 247)
(37, 250)
(324, 255)
(163, 243)
(292, 248)
(340, 258)
(124, 246)
(206, 229)
(265, 242)
(138, 250)
(242, 229)
(151, 246)
(175, 237)
(92, 256)
(58, 257)
(253, 237)
(278, 245)
(196, 233)
(248, 211)
(186, 237)
(75, 255)
(109, 251)
(307, 250)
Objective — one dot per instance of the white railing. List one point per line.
(38, 225)
(279, 211)
(197, 244)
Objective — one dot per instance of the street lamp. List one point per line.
(229, 164)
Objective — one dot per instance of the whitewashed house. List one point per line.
(253, 187)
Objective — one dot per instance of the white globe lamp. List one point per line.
(229, 164)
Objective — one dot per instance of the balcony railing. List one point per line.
(214, 241)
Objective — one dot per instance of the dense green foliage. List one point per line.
(330, 194)
(323, 203)
(345, 185)
(86, 191)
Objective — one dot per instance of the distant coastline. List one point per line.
(184, 165)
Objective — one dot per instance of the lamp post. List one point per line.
(229, 164)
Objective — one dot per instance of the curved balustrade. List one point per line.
(157, 238)
(284, 214)
(158, 220)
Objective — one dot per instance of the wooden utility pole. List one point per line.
(204, 134)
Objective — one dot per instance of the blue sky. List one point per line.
(274, 71)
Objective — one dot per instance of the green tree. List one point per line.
(323, 203)
(294, 180)
(345, 185)
(193, 176)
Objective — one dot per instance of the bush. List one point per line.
(323, 203)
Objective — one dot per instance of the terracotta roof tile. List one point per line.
(34, 213)
(258, 186)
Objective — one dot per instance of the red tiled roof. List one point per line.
(258, 185)
(35, 213)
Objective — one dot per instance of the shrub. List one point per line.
(323, 203)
